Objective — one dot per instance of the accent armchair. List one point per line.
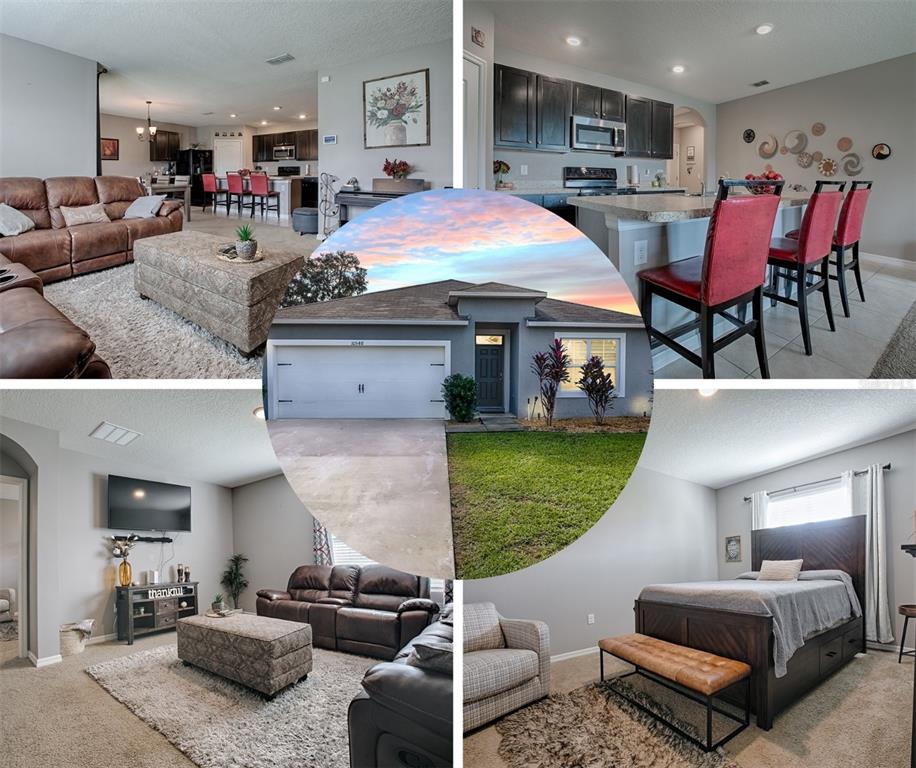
(7, 604)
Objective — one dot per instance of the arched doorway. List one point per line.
(688, 167)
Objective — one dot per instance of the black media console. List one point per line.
(153, 608)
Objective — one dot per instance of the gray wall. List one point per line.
(734, 515)
(274, 530)
(660, 530)
(134, 155)
(869, 105)
(48, 119)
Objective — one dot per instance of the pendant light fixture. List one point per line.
(149, 126)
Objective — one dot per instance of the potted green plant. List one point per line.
(218, 604)
(499, 168)
(234, 578)
(245, 245)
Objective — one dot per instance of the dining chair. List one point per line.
(795, 259)
(730, 273)
(261, 192)
(235, 188)
(211, 191)
(847, 236)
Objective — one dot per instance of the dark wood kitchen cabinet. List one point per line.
(307, 145)
(595, 102)
(259, 150)
(164, 146)
(613, 105)
(639, 127)
(515, 110)
(662, 133)
(552, 106)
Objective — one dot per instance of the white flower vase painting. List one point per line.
(396, 110)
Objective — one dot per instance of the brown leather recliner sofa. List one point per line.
(54, 251)
(371, 610)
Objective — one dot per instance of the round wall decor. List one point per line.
(818, 129)
(881, 151)
(817, 156)
(795, 142)
(844, 144)
(804, 159)
(748, 135)
(783, 150)
(768, 147)
(852, 164)
(827, 167)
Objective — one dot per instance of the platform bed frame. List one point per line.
(833, 544)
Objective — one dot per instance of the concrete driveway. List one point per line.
(380, 485)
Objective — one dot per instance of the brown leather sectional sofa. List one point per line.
(54, 251)
(371, 610)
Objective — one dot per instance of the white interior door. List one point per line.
(474, 136)
(360, 382)
(227, 156)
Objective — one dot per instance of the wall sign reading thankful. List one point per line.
(155, 594)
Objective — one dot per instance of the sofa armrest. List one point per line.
(22, 277)
(274, 594)
(335, 601)
(422, 696)
(419, 604)
(168, 206)
(525, 634)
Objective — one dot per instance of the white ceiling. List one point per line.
(737, 434)
(208, 435)
(714, 40)
(199, 56)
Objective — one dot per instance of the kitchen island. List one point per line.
(289, 188)
(640, 231)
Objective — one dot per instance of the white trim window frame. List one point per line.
(620, 373)
(829, 500)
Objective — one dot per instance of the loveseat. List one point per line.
(372, 610)
(506, 664)
(54, 251)
(403, 716)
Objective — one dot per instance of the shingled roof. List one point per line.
(430, 301)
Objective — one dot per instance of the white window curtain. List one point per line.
(759, 501)
(868, 500)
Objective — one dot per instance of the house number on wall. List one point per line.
(357, 343)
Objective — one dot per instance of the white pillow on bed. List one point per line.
(780, 570)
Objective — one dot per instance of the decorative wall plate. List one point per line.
(818, 129)
(817, 156)
(852, 164)
(804, 159)
(783, 151)
(768, 147)
(881, 151)
(749, 136)
(795, 141)
(827, 167)
(844, 144)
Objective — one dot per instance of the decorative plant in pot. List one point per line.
(499, 168)
(396, 169)
(218, 605)
(246, 247)
(234, 578)
(120, 547)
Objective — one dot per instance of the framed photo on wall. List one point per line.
(732, 549)
(110, 149)
(691, 154)
(396, 110)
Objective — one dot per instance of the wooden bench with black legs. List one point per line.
(698, 675)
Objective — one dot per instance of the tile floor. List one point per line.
(849, 352)
(267, 230)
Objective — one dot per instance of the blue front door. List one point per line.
(489, 373)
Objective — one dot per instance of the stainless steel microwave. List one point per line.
(598, 135)
(285, 153)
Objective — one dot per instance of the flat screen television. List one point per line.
(143, 505)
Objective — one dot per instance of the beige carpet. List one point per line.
(859, 717)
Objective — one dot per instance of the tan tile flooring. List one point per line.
(266, 231)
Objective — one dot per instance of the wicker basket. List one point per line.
(71, 641)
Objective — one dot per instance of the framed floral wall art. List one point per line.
(396, 110)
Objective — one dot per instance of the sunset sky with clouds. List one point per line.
(464, 234)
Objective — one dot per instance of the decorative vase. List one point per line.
(395, 134)
(246, 249)
(218, 606)
(124, 573)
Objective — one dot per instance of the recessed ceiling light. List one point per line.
(233, 115)
(277, 109)
(139, 493)
(263, 122)
(258, 412)
(707, 391)
(764, 29)
(573, 41)
(302, 117)
(677, 69)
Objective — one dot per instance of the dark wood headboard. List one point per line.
(831, 544)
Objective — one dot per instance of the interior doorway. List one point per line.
(227, 156)
(473, 84)
(13, 566)
(688, 168)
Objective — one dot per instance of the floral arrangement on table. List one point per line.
(393, 105)
(499, 168)
(765, 176)
(397, 169)
(121, 547)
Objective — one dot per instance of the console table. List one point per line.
(910, 549)
(153, 608)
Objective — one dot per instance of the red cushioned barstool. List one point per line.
(796, 258)
(731, 273)
(261, 193)
(235, 189)
(847, 235)
(211, 191)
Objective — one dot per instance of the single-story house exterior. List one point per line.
(385, 354)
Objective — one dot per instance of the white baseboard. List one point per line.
(887, 259)
(574, 654)
(45, 661)
(102, 638)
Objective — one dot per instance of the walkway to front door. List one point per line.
(488, 367)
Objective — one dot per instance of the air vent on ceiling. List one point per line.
(760, 83)
(206, 113)
(281, 59)
(112, 433)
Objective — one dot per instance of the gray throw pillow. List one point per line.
(434, 655)
(13, 222)
(144, 207)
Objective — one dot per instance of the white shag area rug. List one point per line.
(220, 724)
(9, 631)
(141, 339)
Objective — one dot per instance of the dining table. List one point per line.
(182, 190)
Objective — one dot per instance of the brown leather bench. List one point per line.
(696, 674)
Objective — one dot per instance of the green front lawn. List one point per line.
(519, 497)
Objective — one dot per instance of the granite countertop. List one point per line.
(573, 192)
(661, 209)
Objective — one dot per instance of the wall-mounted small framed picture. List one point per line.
(691, 153)
(110, 149)
(330, 138)
(732, 549)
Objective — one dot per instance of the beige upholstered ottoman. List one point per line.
(263, 653)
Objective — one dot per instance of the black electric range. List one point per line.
(591, 181)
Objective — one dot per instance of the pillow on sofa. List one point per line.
(780, 570)
(84, 214)
(445, 615)
(482, 631)
(432, 654)
(12, 222)
(144, 207)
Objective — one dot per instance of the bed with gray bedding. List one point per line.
(818, 601)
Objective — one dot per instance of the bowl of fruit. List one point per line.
(765, 176)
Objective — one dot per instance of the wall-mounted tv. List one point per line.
(142, 505)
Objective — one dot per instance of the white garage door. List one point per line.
(359, 381)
